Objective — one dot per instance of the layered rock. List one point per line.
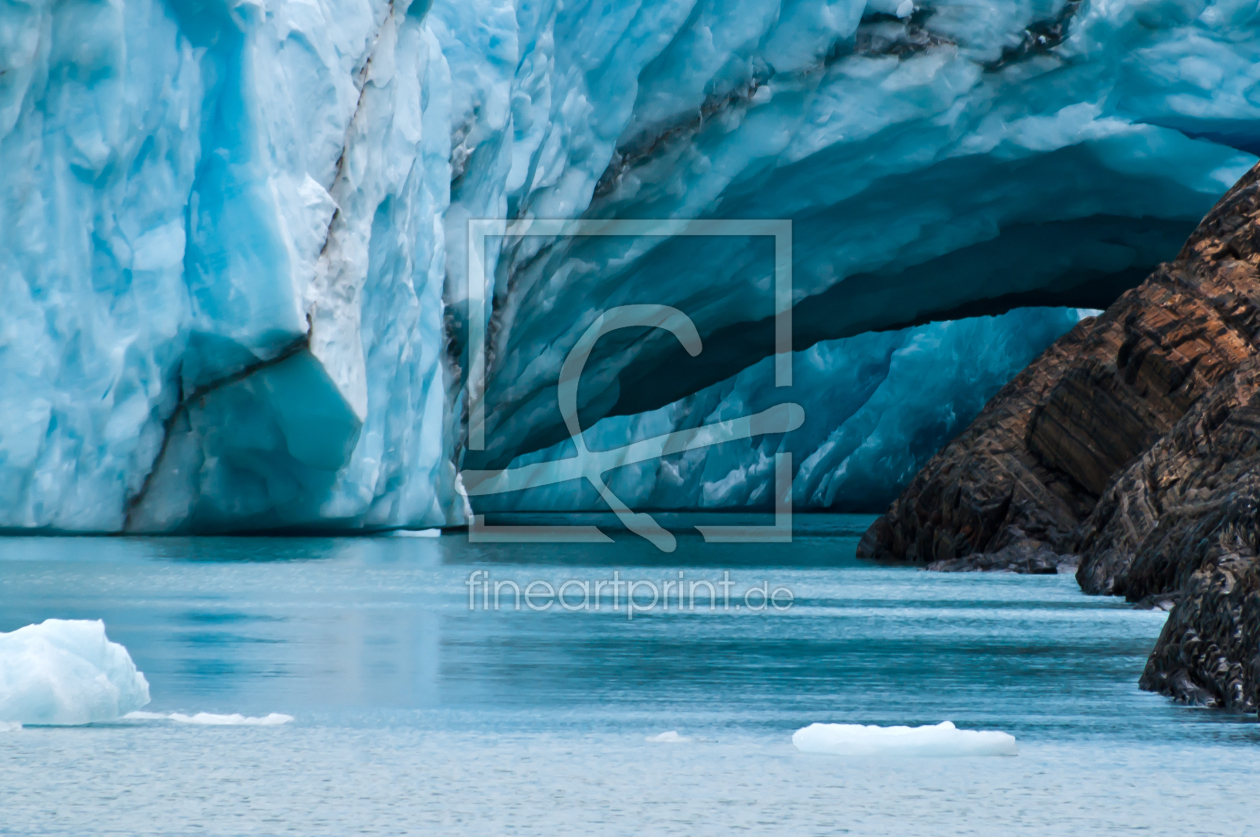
(1035, 461)
(1208, 651)
(986, 489)
(1129, 544)
(1182, 524)
(1133, 442)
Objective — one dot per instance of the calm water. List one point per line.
(415, 714)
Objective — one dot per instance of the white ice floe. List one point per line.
(209, 719)
(235, 720)
(417, 533)
(8, 726)
(942, 740)
(671, 737)
(65, 672)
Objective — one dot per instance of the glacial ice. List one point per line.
(941, 740)
(233, 240)
(222, 258)
(209, 719)
(416, 533)
(66, 672)
(877, 406)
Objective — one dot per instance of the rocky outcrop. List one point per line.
(1128, 544)
(1209, 651)
(1134, 442)
(1182, 524)
(1027, 556)
(1034, 463)
(986, 490)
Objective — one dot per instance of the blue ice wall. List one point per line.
(233, 233)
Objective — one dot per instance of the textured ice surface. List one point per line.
(222, 262)
(942, 740)
(65, 672)
(877, 406)
(965, 157)
(233, 232)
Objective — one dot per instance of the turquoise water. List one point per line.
(415, 714)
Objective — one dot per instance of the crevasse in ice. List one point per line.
(233, 233)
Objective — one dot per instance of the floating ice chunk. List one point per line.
(416, 533)
(65, 672)
(905, 8)
(6, 726)
(209, 719)
(671, 737)
(942, 740)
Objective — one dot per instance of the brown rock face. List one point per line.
(1133, 442)
(1207, 653)
(1028, 556)
(1182, 523)
(1035, 461)
(1187, 474)
(986, 490)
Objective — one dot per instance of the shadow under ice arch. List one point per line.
(591, 465)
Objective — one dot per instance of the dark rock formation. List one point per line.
(1209, 651)
(1193, 472)
(1027, 556)
(1182, 523)
(986, 490)
(1034, 462)
(1133, 442)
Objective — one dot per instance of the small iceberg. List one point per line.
(6, 726)
(209, 719)
(65, 672)
(671, 737)
(942, 740)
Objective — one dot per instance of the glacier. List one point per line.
(65, 672)
(233, 233)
